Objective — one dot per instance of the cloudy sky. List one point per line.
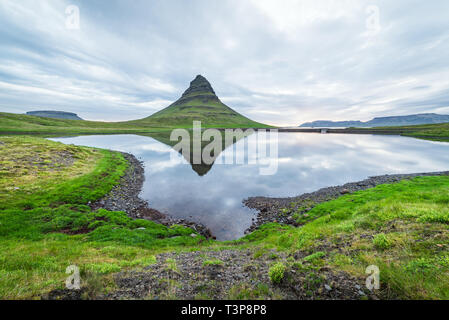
(279, 62)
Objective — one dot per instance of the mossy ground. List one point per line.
(46, 225)
(402, 228)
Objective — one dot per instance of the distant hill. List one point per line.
(415, 119)
(198, 103)
(55, 115)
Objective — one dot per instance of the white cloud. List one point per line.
(278, 63)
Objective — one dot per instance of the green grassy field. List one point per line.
(203, 107)
(437, 132)
(46, 225)
(16, 123)
(11, 123)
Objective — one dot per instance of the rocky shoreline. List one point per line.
(125, 197)
(280, 210)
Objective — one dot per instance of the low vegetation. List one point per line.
(276, 272)
(46, 224)
(436, 132)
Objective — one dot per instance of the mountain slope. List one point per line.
(199, 103)
(415, 119)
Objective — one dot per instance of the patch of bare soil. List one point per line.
(229, 274)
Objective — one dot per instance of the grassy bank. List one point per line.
(46, 225)
(436, 132)
(402, 228)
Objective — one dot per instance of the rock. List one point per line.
(193, 235)
(344, 191)
(327, 287)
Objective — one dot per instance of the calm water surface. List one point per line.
(213, 195)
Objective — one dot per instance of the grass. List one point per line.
(11, 123)
(212, 262)
(436, 132)
(402, 228)
(18, 123)
(199, 106)
(46, 225)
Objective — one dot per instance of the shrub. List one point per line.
(314, 256)
(421, 265)
(381, 241)
(276, 272)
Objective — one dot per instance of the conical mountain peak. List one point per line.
(199, 85)
(200, 103)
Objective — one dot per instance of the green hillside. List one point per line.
(202, 168)
(199, 103)
(20, 123)
(438, 131)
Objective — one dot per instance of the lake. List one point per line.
(212, 194)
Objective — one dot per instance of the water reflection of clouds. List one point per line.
(156, 147)
(307, 162)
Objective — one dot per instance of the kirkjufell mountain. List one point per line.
(199, 103)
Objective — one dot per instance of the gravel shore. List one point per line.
(125, 197)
